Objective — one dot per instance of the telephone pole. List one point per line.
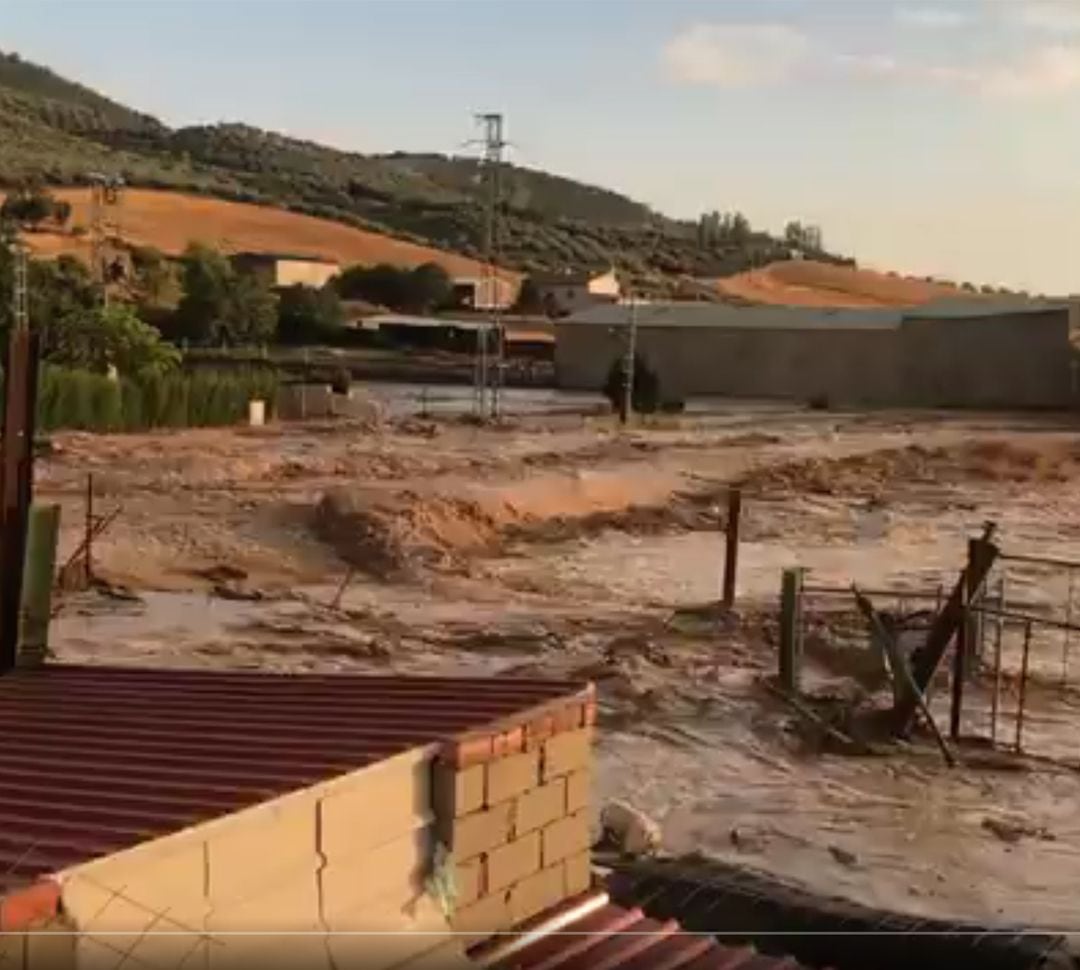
(489, 363)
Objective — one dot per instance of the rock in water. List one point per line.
(630, 829)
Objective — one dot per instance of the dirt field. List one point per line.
(556, 544)
(807, 283)
(171, 220)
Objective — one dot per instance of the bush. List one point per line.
(85, 401)
(646, 389)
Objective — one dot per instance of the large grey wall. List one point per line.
(1021, 360)
(1001, 360)
(846, 366)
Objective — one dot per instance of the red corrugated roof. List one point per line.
(591, 933)
(97, 759)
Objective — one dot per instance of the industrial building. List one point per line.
(951, 353)
(277, 270)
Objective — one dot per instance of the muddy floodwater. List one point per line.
(557, 544)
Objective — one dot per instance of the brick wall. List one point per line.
(512, 808)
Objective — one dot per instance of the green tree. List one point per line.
(30, 204)
(218, 305)
(252, 313)
(428, 287)
(308, 315)
(206, 278)
(156, 282)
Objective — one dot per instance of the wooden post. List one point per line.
(16, 483)
(791, 629)
(1023, 688)
(731, 546)
(89, 527)
(38, 583)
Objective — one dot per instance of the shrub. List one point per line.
(86, 401)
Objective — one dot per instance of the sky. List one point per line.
(926, 137)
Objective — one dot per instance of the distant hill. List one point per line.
(60, 130)
(168, 221)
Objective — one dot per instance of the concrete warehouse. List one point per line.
(950, 353)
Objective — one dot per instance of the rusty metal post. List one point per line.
(731, 546)
(1023, 688)
(16, 483)
(791, 629)
(959, 670)
(999, 632)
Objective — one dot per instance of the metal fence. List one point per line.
(1021, 685)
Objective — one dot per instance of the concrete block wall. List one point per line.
(352, 854)
(512, 809)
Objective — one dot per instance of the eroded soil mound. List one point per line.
(391, 534)
(871, 474)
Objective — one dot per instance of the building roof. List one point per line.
(696, 314)
(572, 278)
(98, 759)
(590, 932)
(988, 306)
(700, 314)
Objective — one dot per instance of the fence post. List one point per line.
(1023, 688)
(44, 528)
(731, 546)
(791, 629)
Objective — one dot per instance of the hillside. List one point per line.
(809, 283)
(170, 220)
(62, 131)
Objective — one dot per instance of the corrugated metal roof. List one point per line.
(97, 759)
(695, 314)
(591, 933)
(687, 314)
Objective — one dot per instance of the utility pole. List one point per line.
(104, 198)
(630, 355)
(489, 365)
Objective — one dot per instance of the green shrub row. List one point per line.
(82, 400)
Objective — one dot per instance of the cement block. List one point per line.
(578, 790)
(292, 905)
(567, 752)
(480, 832)
(389, 874)
(260, 848)
(566, 837)
(539, 807)
(512, 862)
(511, 776)
(374, 806)
(536, 893)
(457, 791)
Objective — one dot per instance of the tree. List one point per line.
(206, 277)
(156, 282)
(113, 336)
(31, 203)
(528, 298)
(428, 287)
(218, 305)
(252, 313)
(645, 393)
(308, 315)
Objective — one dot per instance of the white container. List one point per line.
(256, 413)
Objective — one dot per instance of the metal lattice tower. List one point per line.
(489, 365)
(105, 194)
